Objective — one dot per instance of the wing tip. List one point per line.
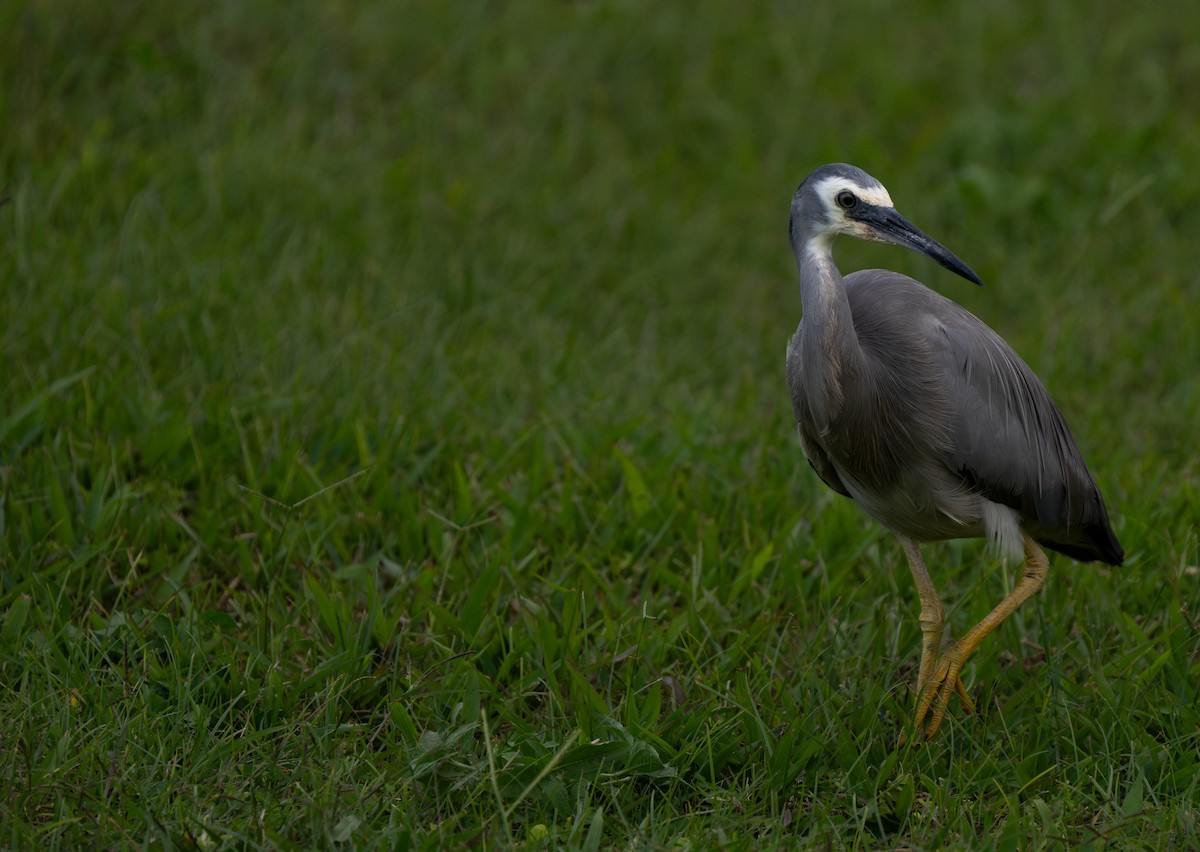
(1105, 541)
(1099, 545)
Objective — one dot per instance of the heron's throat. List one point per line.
(828, 333)
(823, 292)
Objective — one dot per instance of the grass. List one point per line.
(395, 452)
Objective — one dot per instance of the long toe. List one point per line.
(935, 698)
(937, 695)
(964, 697)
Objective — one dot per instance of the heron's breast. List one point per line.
(922, 500)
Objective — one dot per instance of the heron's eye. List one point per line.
(846, 199)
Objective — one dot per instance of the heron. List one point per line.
(914, 408)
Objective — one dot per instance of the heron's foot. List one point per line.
(935, 687)
(944, 683)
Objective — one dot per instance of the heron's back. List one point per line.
(945, 421)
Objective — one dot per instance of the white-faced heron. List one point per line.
(911, 406)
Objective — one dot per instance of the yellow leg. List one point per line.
(933, 619)
(933, 615)
(944, 680)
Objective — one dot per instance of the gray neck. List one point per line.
(828, 336)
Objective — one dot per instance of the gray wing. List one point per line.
(1010, 441)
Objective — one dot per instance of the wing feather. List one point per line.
(942, 389)
(1010, 441)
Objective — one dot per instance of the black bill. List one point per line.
(894, 228)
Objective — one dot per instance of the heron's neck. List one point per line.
(829, 344)
(826, 308)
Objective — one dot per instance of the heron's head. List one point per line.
(843, 199)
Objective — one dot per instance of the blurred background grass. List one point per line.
(521, 270)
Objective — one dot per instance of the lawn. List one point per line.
(395, 450)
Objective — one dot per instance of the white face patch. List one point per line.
(828, 189)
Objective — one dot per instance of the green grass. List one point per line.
(395, 450)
